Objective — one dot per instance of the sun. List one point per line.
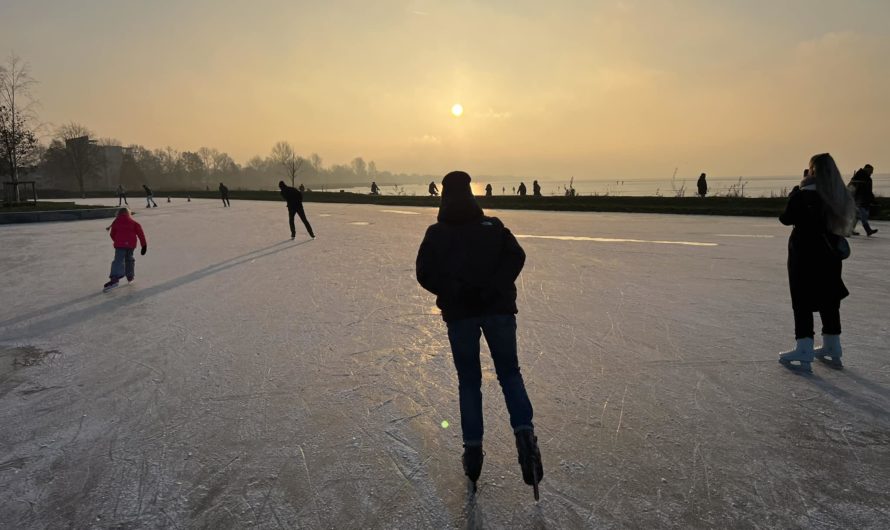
(457, 109)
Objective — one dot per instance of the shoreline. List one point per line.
(730, 206)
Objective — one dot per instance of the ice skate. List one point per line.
(802, 354)
(530, 459)
(830, 352)
(871, 232)
(130, 279)
(472, 460)
(111, 284)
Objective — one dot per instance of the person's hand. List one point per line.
(144, 250)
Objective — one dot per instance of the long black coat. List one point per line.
(471, 267)
(814, 271)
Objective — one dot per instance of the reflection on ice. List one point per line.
(403, 212)
(618, 240)
(759, 236)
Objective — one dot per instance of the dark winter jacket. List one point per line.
(147, 190)
(293, 197)
(863, 191)
(814, 270)
(470, 262)
(223, 190)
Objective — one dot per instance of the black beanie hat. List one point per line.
(458, 203)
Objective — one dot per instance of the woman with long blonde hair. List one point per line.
(823, 213)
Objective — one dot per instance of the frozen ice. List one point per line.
(247, 380)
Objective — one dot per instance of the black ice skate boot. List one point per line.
(530, 458)
(472, 459)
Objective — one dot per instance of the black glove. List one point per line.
(144, 250)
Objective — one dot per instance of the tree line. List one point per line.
(77, 159)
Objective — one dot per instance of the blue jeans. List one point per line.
(500, 333)
(863, 216)
(123, 263)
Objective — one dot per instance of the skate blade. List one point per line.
(831, 363)
(805, 367)
(536, 480)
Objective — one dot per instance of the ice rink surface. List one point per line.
(247, 380)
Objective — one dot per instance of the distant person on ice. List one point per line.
(121, 195)
(861, 187)
(522, 189)
(536, 189)
(434, 191)
(470, 262)
(149, 198)
(488, 190)
(821, 211)
(375, 189)
(294, 207)
(702, 186)
(124, 231)
(224, 193)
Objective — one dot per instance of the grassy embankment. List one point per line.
(754, 206)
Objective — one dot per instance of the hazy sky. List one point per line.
(611, 89)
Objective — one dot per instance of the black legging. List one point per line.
(298, 211)
(831, 321)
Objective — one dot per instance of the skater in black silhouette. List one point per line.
(294, 207)
(149, 197)
(702, 186)
(536, 189)
(434, 191)
(224, 193)
(822, 212)
(471, 262)
(488, 190)
(375, 189)
(861, 187)
(522, 189)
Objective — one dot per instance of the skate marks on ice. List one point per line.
(618, 240)
(14, 359)
(48, 319)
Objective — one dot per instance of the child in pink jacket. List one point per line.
(124, 232)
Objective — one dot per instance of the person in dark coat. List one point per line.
(702, 186)
(522, 189)
(471, 262)
(488, 190)
(536, 189)
(861, 186)
(821, 211)
(149, 197)
(294, 207)
(434, 191)
(224, 193)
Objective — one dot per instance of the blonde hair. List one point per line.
(841, 212)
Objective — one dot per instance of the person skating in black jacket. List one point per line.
(295, 207)
(471, 262)
(224, 193)
(863, 193)
(821, 210)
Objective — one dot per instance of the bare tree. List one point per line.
(81, 151)
(17, 108)
(283, 153)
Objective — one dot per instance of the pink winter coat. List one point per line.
(125, 231)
